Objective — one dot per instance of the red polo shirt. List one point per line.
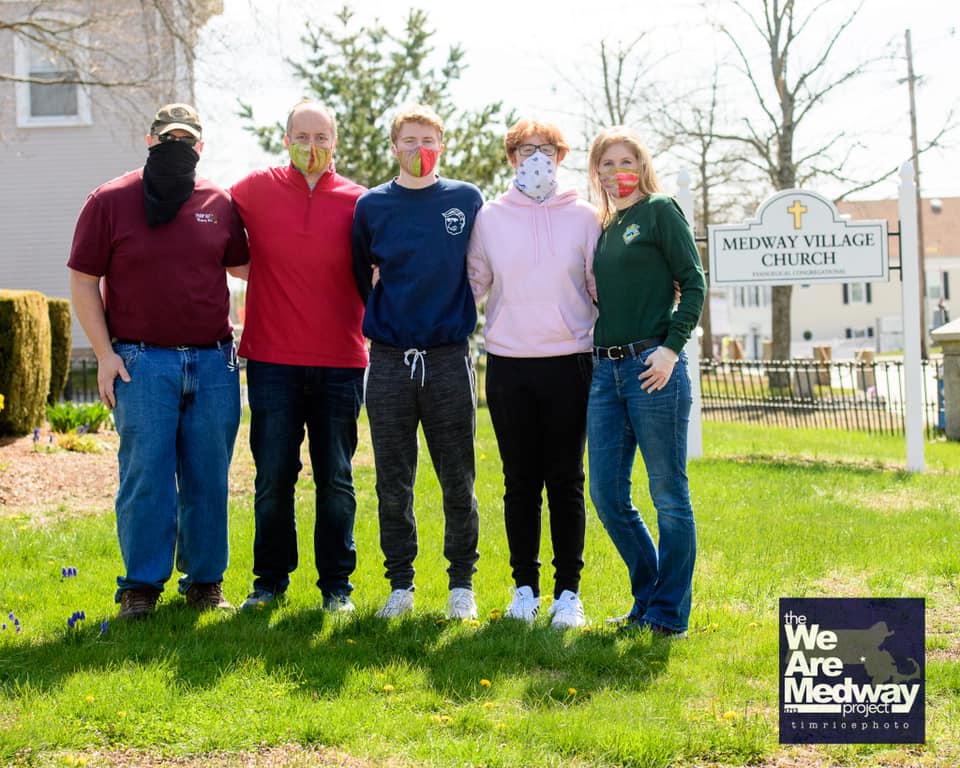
(303, 307)
(165, 285)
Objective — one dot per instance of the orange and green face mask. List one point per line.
(309, 158)
(419, 162)
(619, 182)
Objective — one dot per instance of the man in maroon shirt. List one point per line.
(159, 239)
(305, 355)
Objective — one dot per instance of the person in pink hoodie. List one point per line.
(531, 255)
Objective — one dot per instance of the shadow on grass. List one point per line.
(317, 652)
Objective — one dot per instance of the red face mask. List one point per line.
(419, 162)
(620, 182)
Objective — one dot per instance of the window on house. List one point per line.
(751, 296)
(53, 103)
(857, 293)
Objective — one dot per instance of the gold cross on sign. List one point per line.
(797, 210)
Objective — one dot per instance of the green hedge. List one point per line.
(60, 343)
(24, 360)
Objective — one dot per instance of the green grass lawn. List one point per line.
(779, 512)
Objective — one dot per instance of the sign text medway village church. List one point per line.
(798, 237)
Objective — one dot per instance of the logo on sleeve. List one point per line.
(206, 218)
(454, 220)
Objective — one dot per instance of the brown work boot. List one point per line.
(207, 597)
(138, 602)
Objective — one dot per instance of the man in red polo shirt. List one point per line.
(159, 239)
(306, 355)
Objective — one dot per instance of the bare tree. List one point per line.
(789, 95)
(723, 191)
(114, 44)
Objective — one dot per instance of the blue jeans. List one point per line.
(621, 417)
(177, 419)
(284, 399)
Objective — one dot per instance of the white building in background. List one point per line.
(59, 141)
(849, 317)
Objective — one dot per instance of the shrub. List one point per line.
(60, 344)
(66, 417)
(24, 360)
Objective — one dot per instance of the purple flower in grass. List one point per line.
(36, 434)
(103, 627)
(2, 627)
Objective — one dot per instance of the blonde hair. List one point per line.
(619, 134)
(415, 113)
(526, 127)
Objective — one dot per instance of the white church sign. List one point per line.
(798, 237)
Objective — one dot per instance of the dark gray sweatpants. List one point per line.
(437, 389)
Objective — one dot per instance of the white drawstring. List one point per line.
(417, 355)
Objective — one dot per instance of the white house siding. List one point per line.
(819, 308)
(46, 173)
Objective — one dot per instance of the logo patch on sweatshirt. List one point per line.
(454, 220)
(206, 218)
(630, 234)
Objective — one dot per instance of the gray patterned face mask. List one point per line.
(537, 177)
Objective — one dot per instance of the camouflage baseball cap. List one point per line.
(177, 116)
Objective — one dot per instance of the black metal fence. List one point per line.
(813, 393)
(793, 393)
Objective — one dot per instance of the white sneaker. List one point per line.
(399, 603)
(524, 605)
(461, 604)
(567, 611)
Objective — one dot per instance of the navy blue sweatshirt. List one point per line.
(418, 238)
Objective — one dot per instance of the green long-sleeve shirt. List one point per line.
(641, 253)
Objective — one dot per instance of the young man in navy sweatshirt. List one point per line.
(410, 239)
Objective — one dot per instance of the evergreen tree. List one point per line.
(363, 74)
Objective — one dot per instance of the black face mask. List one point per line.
(168, 179)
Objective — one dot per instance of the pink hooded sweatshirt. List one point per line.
(536, 262)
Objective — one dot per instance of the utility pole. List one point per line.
(924, 325)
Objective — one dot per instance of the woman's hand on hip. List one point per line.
(659, 368)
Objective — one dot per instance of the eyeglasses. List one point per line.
(190, 141)
(526, 150)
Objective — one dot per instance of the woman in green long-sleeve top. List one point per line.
(640, 394)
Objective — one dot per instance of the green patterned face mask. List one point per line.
(309, 158)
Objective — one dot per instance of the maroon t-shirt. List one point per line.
(165, 285)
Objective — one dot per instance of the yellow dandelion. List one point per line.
(495, 613)
(485, 683)
(714, 627)
(483, 457)
(121, 714)
(436, 718)
(388, 688)
(69, 759)
(500, 726)
(488, 705)
(730, 715)
(351, 641)
(572, 691)
(261, 605)
(446, 719)
(474, 623)
(752, 625)
(88, 698)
